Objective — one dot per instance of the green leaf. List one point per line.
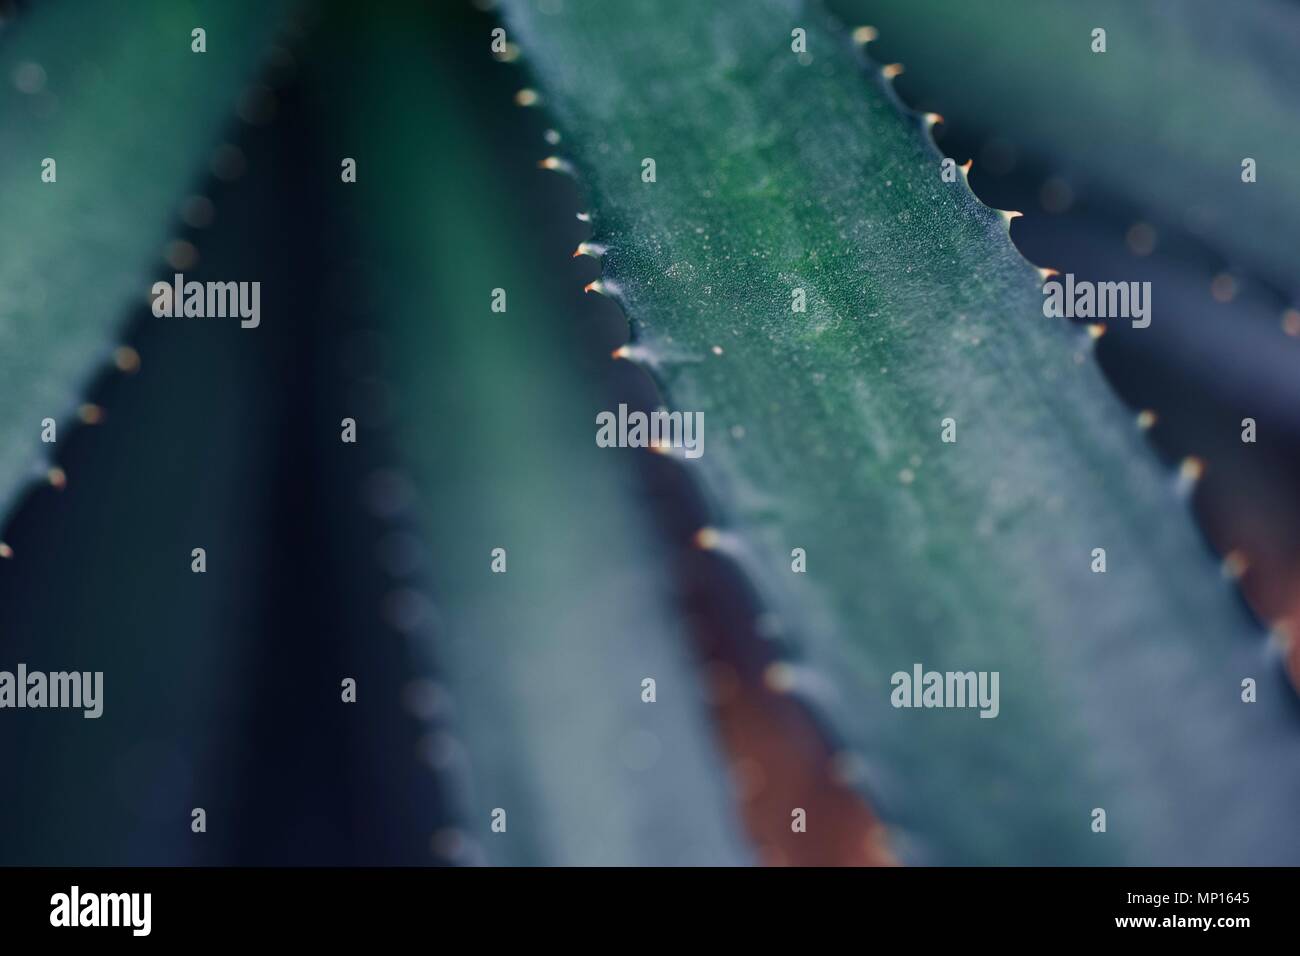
(109, 588)
(1184, 92)
(221, 689)
(1117, 690)
(113, 94)
(494, 428)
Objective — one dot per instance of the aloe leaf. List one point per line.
(1118, 690)
(93, 86)
(492, 424)
(1184, 92)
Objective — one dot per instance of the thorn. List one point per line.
(602, 286)
(1096, 330)
(527, 97)
(1044, 274)
(891, 70)
(779, 677)
(126, 359)
(57, 477)
(181, 254)
(966, 166)
(1235, 564)
(593, 249)
(1281, 635)
(931, 119)
(1223, 287)
(1008, 215)
(632, 353)
(90, 413)
(557, 164)
(584, 216)
(1146, 419)
(1189, 473)
(1291, 322)
(6, 551)
(706, 539)
(864, 35)
(845, 767)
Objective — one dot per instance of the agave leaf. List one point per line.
(1117, 690)
(495, 432)
(102, 581)
(1155, 128)
(221, 690)
(112, 93)
(1183, 93)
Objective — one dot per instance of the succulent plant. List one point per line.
(921, 318)
(565, 653)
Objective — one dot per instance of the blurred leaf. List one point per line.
(112, 93)
(221, 689)
(104, 583)
(1118, 690)
(494, 424)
